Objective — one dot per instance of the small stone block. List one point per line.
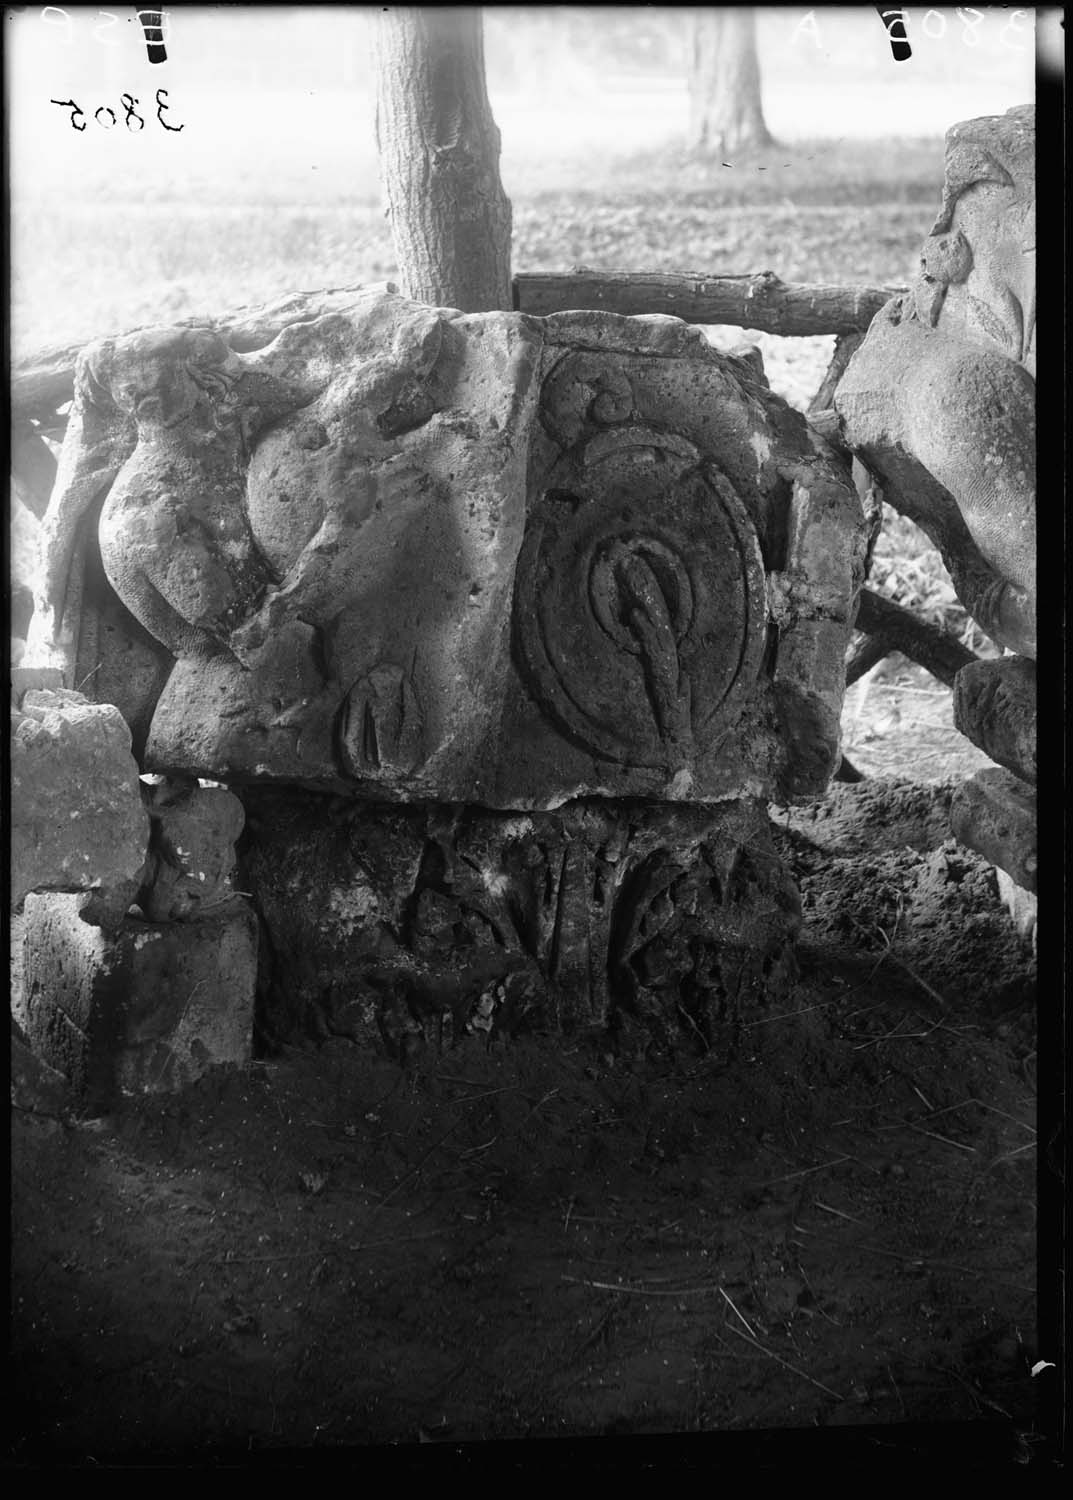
(995, 707)
(148, 1009)
(995, 814)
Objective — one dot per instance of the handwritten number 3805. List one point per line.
(106, 117)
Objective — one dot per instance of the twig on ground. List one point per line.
(838, 1213)
(816, 1300)
(415, 1169)
(1028, 1146)
(940, 1000)
(917, 1261)
(730, 1303)
(786, 1364)
(242, 1260)
(641, 1291)
(944, 1138)
(807, 1171)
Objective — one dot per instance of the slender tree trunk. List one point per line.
(439, 157)
(725, 107)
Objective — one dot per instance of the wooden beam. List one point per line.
(892, 627)
(761, 301)
(43, 382)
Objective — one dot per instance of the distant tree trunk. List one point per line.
(724, 82)
(439, 157)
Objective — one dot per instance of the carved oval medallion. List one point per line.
(639, 602)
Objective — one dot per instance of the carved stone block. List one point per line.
(145, 1009)
(416, 555)
(398, 925)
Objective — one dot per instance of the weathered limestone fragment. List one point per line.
(145, 1008)
(77, 820)
(1022, 905)
(191, 850)
(994, 812)
(424, 556)
(939, 400)
(398, 924)
(113, 1002)
(995, 707)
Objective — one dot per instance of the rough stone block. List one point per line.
(995, 813)
(995, 707)
(146, 1009)
(76, 809)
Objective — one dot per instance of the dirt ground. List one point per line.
(828, 1220)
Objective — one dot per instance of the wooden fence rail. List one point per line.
(41, 384)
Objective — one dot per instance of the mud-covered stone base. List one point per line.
(403, 926)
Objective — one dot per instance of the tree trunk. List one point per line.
(724, 83)
(439, 157)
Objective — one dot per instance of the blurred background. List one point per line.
(271, 185)
(272, 182)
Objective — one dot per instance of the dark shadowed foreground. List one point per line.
(826, 1220)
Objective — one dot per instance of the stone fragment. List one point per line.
(36, 1088)
(995, 707)
(191, 860)
(1022, 906)
(994, 812)
(418, 555)
(146, 1009)
(939, 399)
(397, 925)
(77, 821)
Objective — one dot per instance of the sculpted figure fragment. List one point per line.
(939, 402)
(940, 398)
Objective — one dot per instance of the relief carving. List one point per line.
(639, 605)
(450, 558)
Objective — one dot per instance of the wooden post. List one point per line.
(439, 157)
(725, 108)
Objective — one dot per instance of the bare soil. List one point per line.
(828, 1220)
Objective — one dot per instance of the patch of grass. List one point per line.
(104, 261)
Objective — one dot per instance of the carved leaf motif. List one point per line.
(381, 724)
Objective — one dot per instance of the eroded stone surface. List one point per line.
(397, 925)
(420, 555)
(147, 1008)
(191, 860)
(1022, 905)
(995, 707)
(939, 400)
(994, 812)
(77, 821)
